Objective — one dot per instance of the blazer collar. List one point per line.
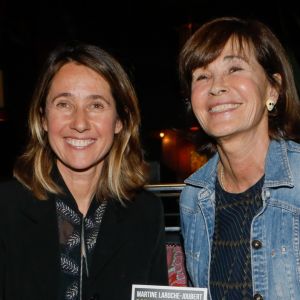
(40, 239)
(114, 232)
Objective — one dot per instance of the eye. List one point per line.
(198, 76)
(62, 104)
(234, 69)
(97, 106)
(201, 77)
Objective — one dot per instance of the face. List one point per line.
(80, 118)
(229, 95)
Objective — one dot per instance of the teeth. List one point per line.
(79, 143)
(224, 107)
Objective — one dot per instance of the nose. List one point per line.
(217, 87)
(217, 91)
(80, 121)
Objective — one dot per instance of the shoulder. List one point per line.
(203, 179)
(13, 193)
(12, 187)
(280, 148)
(144, 207)
(204, 176)
(146, 198)
(286, 151)
(146, 201)
(292, 146)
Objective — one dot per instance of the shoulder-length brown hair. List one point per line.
(207, 43)
(123, 170)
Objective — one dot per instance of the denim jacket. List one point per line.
(275, 230)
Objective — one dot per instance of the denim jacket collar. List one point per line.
(277, 169)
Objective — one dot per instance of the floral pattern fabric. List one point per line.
(77, 238)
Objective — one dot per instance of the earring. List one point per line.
(270, 104)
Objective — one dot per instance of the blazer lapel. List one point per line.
(41, 247)
(112, 235)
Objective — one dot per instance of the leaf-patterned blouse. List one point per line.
(77, 239)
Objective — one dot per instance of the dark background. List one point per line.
(145, 36)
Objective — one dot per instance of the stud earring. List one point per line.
(270, 104)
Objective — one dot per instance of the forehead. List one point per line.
(210, 51)
(75, 75)
(77, 81)
(239, 47)
(73, 69)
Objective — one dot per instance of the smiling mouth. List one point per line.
(79, 142)
(224, 107)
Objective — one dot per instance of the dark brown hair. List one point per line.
(207, 43)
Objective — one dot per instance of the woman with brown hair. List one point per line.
(240, 212)
(76, 222)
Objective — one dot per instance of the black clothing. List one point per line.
(230, 271)
(130, 247)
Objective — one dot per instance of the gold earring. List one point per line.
(270, 104)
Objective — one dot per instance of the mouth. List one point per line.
(79, 143)
(224, 107)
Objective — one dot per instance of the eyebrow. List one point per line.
(232, 57)
(90, 97)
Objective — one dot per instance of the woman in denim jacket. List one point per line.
(240, 212)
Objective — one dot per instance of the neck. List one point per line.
(241, 164)
(82, 185)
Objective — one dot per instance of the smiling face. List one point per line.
(80, 118)
(229, 95)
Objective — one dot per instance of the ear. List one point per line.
(118, 126)
(274, 91)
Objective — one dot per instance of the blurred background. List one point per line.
(146, 37)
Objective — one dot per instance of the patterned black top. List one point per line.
(230, 270)
(77, 239)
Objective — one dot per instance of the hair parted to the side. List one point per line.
(207, 43)
(123, 171)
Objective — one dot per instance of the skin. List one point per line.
(229, 100)
(81, 121)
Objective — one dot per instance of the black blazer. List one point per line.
(130, 248)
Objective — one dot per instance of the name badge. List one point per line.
(157, 292)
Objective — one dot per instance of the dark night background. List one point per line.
(145, 36)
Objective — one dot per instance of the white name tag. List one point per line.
(157, 292)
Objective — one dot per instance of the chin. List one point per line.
(80, 167)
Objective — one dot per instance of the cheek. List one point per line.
(198, 106)
(200, 114)
(105, 126)
(198, 97)
(52, 124)
(256, 112)
(108, 123)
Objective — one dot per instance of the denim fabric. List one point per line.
(276, 265)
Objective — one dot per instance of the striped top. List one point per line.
(230, 269)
